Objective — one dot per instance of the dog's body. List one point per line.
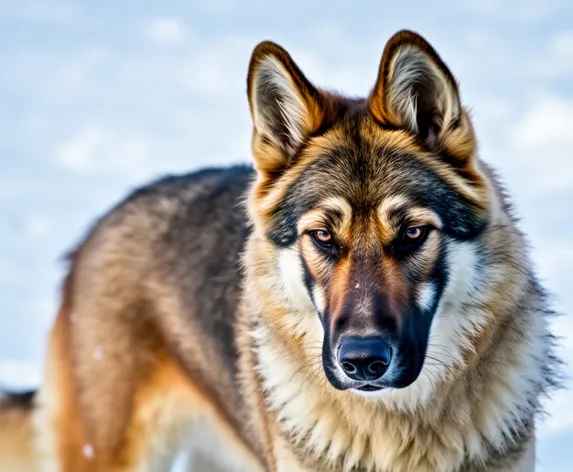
(369, 223)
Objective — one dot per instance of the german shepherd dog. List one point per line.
(362, 300)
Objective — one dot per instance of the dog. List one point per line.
(360, 299)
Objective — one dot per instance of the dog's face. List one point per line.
(367, 196)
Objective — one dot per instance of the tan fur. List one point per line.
(166, 402)
(16, 439)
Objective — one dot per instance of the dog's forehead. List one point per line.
(366, 166)
(366, 172)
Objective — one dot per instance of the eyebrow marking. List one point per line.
(317, 217)
(390, 205)
(415, 214)
(423, 215)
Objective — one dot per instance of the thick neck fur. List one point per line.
(479, 389)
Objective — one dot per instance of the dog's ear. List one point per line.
(416, 91)
(286, 108)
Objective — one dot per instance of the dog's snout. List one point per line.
(364, 359)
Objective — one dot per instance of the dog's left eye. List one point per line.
(411, 238)
(414, 232)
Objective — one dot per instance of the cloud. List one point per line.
(562, 44)
(541, 142)
(521, 11)
(9, 273)
(94, 149)
(217, 70)
(166, 31)
(548, 122)
(38, 227)
(217, 7)
(557, 422)
(557, 58)
(138, 154)
(59, 12)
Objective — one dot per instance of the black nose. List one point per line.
(364, 358)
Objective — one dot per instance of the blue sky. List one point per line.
(98, 97)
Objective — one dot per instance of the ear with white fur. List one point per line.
(285, 106)
(416, 91)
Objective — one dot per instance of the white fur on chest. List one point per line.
(369, 434)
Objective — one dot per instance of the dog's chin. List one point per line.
(372, 393)
(368, 390)
(358, 388)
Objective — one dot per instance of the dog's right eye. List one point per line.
(322, 238)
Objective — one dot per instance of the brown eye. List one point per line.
(322, 237)
(414, 232)
(410, 239)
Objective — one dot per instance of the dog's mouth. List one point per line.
(369, 388)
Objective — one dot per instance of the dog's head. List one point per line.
(363, 199)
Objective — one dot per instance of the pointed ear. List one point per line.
(286, 108)
(416, 91)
